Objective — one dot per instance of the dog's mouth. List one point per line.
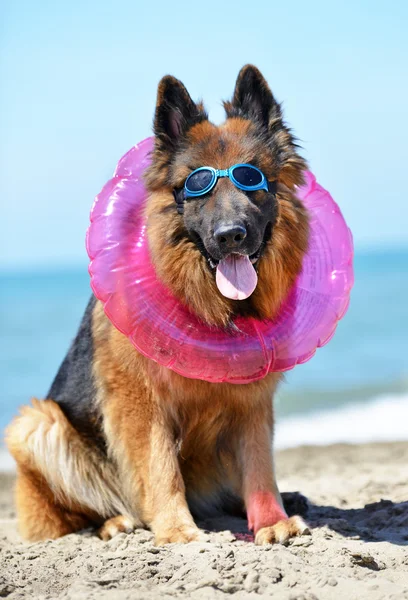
(214, 262)
(236, 273)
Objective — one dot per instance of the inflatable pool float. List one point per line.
(123, 278)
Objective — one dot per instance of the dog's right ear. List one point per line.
(175, 111)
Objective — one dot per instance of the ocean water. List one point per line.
(354, 389)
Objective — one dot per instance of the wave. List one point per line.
(383, 419)
(7, 463)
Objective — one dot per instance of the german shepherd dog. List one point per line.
(123, 442)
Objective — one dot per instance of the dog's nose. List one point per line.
(230, 236)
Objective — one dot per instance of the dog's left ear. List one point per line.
(254, 100)
(252, 97)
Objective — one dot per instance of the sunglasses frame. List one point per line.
(217, 173)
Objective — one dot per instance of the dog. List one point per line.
(122, 442)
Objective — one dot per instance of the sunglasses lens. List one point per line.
(247, 176)
(199, 181)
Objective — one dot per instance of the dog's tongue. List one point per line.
(236, 278)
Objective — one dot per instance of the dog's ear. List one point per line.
(252, 97)
(175, 111)
(254, 100)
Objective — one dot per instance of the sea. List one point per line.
(355, 389)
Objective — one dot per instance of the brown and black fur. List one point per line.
(122, 442)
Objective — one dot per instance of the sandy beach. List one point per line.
(358, 548)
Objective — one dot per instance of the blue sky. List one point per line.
(78, 89)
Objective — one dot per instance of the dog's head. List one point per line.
(229, 240)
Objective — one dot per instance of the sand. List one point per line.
(358, 547)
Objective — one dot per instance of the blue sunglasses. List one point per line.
(243, 176)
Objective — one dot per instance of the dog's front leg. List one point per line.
(165, 504)
(266, 515)
(145, 451)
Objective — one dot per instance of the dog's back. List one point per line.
(73, 388)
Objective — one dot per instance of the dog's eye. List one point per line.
(199, 181)
(247, 175)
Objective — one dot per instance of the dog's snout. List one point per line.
(230, 236)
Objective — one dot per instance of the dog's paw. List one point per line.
(179, 535)
(119, 524)
(281, 531)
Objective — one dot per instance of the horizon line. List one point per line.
(41, 267)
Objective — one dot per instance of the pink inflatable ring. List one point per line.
(138, 304)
